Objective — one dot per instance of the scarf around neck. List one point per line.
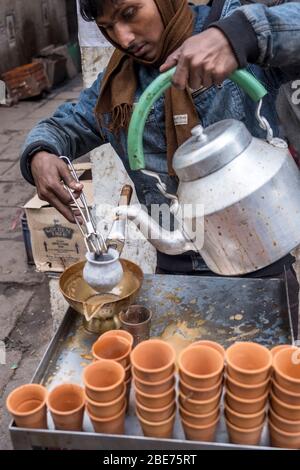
(120, 81)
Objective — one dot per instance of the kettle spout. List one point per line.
(168, 242)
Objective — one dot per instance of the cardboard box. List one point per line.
(55, 242)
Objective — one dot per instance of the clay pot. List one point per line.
(248, 363)
(247, 391)
(200, 366)
(153, 360)
(283, 439)
(200, 394)
(107, 409)
(122, 333)
(66, 403)
(160, 429)
(199, 420)
(112, 425)
(155, 415)
(205, 433)
(205, 342)
(115, 348)
(104, 380)
(284, 410)
(246, 405)
(27, 405)
(199, 407)
(154, 388)
(156, 401)
(287, 397)
(245, 421)
(278, 348)
(283, 424)
(286, 366)
(242, 436)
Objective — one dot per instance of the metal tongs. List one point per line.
(94, 241)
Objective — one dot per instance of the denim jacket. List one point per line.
(73, 129)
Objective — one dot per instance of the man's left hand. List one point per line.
(203, 60)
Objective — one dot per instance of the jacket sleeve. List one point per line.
(71, 131)
(269, 37)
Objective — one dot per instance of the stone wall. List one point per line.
(26, 26)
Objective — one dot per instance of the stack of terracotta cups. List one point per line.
(105, 395)
(153, 370)
(201, 368)
(116, 345)
(284, 412)
(247, 389)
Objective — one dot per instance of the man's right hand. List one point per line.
(50, 173)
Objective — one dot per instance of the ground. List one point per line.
(26, 324)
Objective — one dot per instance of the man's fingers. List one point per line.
(68, 178)
(65, 210)
(171, 61)
(181, 76)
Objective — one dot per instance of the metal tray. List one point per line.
(185, 308)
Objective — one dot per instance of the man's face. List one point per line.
(135, 25)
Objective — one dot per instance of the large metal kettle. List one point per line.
(248, 188)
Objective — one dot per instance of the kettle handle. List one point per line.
(244, 79)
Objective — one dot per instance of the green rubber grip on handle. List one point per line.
(242, 78)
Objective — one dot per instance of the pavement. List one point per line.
(26, 324)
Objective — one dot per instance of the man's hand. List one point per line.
(203, 60)
(49, 173)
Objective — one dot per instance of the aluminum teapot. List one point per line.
(249, 189)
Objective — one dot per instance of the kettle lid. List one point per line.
(210, 148)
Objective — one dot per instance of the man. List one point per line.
(209, 42)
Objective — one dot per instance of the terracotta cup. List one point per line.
(104, 380)
(246, 405)
(199, 407)
(284, 395)
(284, 410)
(200, 366)
(204, 433)
(153, 360)
(124, 334)
(247, 391)
(159, 429)
(66, 403)
(213, 344)
(112, 425)
(286, 367)
(283, 424)
(156, 401)
(287, 440)
(248, 363)
(250, 436)
(27, 405)
(278, 348)
(107, 409)
(199, 420)
(115, 348)
(155, 415)
(245, 421)
(200, 394)
(154, 388)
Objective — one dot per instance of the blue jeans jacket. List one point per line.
(73, 129)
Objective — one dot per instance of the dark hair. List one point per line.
(90, 9)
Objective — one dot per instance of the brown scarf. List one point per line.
(119, 82)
